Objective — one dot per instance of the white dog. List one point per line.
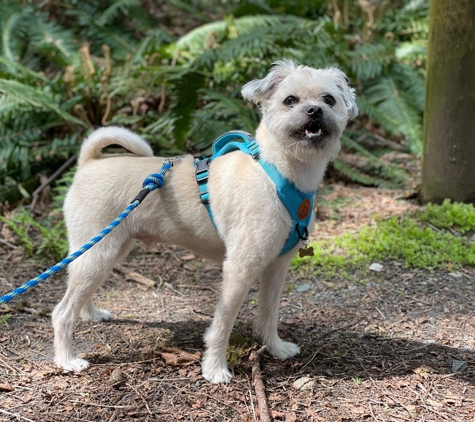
(304, 111)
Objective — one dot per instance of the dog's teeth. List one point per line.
(319, 132)
(306, 133)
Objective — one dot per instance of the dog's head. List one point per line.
(306, 109)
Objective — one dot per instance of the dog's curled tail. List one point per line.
(103, 137)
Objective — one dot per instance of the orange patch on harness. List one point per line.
(304, 209)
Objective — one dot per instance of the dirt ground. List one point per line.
(398, 345)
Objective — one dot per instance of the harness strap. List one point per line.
(298, 204)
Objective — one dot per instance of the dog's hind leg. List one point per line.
(266, 320)
(85, 276)
(89, 312)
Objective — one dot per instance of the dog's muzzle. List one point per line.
(314, 131)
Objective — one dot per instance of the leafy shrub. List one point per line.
(68, 67)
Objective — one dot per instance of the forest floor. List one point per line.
(396, 345)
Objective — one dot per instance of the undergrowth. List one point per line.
(45, 237)
(431, 238)
(69, 67)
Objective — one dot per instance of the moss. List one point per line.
(460, 217)
(238, 347)
(425, 239)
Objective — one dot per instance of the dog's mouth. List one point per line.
(312, 131)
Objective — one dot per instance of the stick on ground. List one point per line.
(132, 275)
(264, 415)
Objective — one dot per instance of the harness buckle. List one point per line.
(204, 196)
(201, 171)
(254, 149)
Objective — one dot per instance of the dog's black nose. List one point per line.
(314, 111)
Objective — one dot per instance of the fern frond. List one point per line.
(414, 5)
(226, 107)
(35, 97)
(199, 39)
(11, 19)
(49, 37)
(185, 103)
(412, 81)
(374, 113)
(118, 6)
(188, 7)
(15, 69)
(368, 61)
(356, 175)
(390, 173)
(396, 104)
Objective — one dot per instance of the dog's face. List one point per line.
(306, 109)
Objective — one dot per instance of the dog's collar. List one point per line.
(298, 204)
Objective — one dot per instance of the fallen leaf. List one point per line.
(359, 410)
(434, 403)
(6, 387)
(303, 383)
(275, 414)
(174, 356)
(290, 417)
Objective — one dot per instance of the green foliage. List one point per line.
(456, 216)
(425, 239)
(41, 238)
(69, 67)
(238, 347)
(4, 318)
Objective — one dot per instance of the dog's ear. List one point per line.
(261, 89)
(347, 93)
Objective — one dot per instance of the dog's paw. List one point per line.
(283, 349)
(217, 376)
(98, 315)
(215, 371)
(74, 365)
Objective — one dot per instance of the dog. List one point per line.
(304, 112)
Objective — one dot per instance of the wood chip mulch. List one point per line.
(398, 345)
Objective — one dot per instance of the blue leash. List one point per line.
(152, 182)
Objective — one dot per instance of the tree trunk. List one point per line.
(448, 166)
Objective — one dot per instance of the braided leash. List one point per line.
(152, 182)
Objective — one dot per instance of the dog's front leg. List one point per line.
(266, 320)
(236, 284)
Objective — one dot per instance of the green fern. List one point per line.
(369, 61)
(182, 92)
(38, 98)
(115, 8)
(393, 101)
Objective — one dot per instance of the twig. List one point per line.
(252, 405)
(259, 385)
(113, 416)
(64, 167)
(132, 275)
(380, 313)
(16, 416)
(9, 367)
(140, 395)
(8, 244)
(101, 405)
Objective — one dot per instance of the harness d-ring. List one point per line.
(305, 232)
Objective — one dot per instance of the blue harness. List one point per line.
(298, 204)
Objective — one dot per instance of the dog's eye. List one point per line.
(328, 99)
(291, 101)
